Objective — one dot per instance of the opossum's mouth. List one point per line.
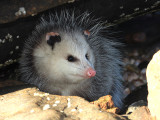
(79, 75)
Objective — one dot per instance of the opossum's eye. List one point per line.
(87, 57)
(70, 58)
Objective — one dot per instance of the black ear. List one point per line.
(86, 33)
(52, 38)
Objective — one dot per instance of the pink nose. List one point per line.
(90, 72)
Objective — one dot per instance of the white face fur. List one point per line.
(67, 62)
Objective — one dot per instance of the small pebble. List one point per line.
(46, 94)
(41, 95)
(132, 61)
(10, 40)
(132, 76)
(14, 60)
(143, 71)
(17, 47)
(4, 41)
(48, 98)
(54, 105)
(57, 102)
(136, 9)
(137, 62)
(71, 1)
(80, 110)
(21, 11)
(36, 94)
(33, 14)
(32, 111)
(73, 110)
(68, 104)
(135, 53)
(11, 52)
(121, 7)
(138, 83)
(127, 91)
(126, 61)
(47, 106)
(123, 14)
(8, 36)
(146, 9)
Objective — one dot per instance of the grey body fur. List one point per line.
(107, 59)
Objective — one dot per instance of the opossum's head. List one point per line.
(65, 57)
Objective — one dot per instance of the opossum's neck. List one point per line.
(68, 89)
(64, 89)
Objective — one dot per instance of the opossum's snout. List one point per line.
(90, 72)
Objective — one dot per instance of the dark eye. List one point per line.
(87, 57)
(70, 58)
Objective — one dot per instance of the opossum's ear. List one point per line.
(52, 38)
(86, 33)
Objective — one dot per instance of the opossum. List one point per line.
(68, 55)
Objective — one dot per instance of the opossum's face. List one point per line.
(65, 58)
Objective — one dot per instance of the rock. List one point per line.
(138, 111)
(132, 108)
(31, 104)
(153, 80)
(137, 95)
(105, 103)
(141, 113)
